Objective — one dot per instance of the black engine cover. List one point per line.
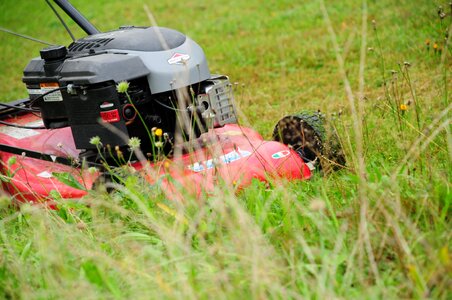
(96, 112)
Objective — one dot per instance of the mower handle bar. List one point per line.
(78, 18)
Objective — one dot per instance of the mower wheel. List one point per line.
(305, 133)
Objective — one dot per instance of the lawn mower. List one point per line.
(141, 97)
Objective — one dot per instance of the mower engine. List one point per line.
(170, 88)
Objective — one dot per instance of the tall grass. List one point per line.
(379, 228)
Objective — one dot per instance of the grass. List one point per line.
(378, 229)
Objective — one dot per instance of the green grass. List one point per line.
(382, 231)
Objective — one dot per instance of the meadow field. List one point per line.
(378, 227)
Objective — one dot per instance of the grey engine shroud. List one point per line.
(170, 87)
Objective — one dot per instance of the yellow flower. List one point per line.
(435, 46)
(158, 132)
(403, 107)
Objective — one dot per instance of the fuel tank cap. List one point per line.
(53, 53)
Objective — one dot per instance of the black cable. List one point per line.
(169, 107)
(25, 36)
(30, 109)
(19, 108)
(21, 126)
(62, 21)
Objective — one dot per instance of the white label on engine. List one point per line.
(51, 97)
(34, 91)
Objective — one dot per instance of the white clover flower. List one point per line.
(134, 143)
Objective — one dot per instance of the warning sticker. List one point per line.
(34, 91)
(36, 123)
(21, 133)
(51, 97)
(225, 159)
(18, 133)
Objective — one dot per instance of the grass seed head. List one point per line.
(92, 170)
(12, 160)
(122, 87)
(95, 140)
(317, 205)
